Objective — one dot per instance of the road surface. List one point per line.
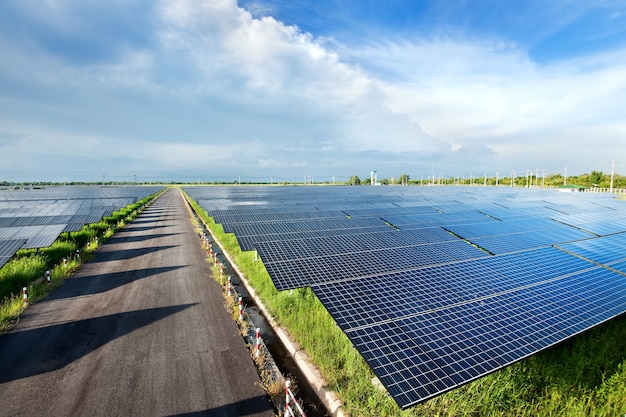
(140, 330)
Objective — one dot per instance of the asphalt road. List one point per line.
(140, 330)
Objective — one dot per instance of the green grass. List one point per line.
(20, 272)
(585, 376)
(29, 265)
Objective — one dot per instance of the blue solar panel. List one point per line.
(8, 248)
(420, 353)
(40, 215)
(458, 283)
(619, 266)
(304, 271)
(528, 240)
(603, 250)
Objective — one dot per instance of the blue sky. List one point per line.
(217, 90)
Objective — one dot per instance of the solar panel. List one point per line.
(306, 271)
(603, 250)
(249, 241)
(8, 248)
(462, 282)
(35, 236)
(40, 215)
(420, 351)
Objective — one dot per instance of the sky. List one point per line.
(283, 90)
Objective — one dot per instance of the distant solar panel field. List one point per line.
(34, 218)
(438, 286)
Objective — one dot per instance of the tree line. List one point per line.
(595, 179)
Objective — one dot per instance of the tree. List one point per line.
(404, 179)
(354, 180)
(595, 177)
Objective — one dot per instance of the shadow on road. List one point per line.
(132, 228)
(249, 407)
(140, 238)
(23, 355)
(118, 255)
(93, 284)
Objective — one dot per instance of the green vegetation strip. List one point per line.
(29, 266)
(585, 376)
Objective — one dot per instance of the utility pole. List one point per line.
(536, 177)
(612, 174)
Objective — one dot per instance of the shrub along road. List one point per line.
(140, 330)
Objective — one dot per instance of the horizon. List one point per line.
(311, 180)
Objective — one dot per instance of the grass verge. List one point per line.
(585, 376)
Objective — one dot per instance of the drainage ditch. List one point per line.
(311, 404)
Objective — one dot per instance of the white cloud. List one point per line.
(282, 68)
(27, 151)
(273, 163)
(206, 84)
(180, 155)
(492, 94)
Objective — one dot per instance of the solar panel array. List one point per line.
(438, 286)
(35, 218)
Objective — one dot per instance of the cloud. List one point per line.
(209, 87)
(492, 94)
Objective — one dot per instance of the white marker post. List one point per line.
(258, 342)
(25, 292)
(230, 286)
(288, 412)
(288, 397)
(240, 309)
(48, 276)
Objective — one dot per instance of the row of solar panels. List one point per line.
(437, 286)
(35, 218)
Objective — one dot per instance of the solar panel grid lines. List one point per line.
(619, 267)
(230, 218)
(523, 225)
(39, 215)
(413, 292)
(429, 320)
(312, 246)
(36, 236)
(307, 270)
(8, 248)
(249, 236)
(470, 340)
(602, 250)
